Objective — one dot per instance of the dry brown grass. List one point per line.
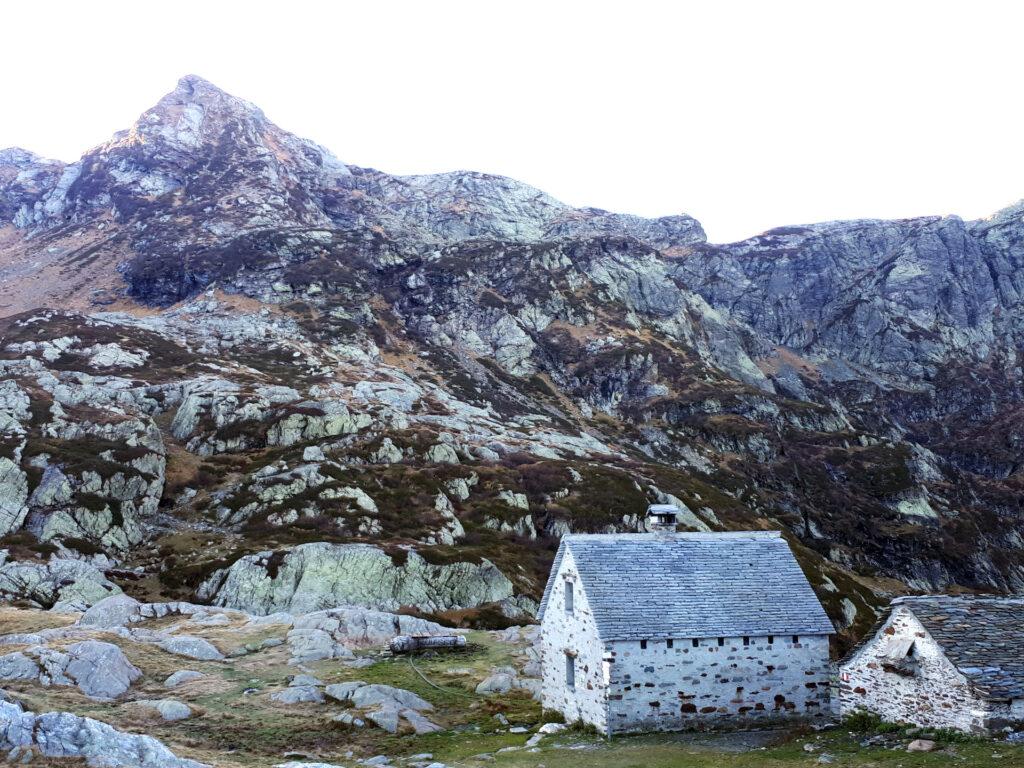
(18, 620)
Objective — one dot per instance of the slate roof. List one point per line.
(983, 636)
(649, 585)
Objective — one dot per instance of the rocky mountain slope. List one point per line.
(238, 370)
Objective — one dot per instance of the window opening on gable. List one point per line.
(900, 656)
(570, 671)
(569, 597)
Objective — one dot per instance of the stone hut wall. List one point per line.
(577, 633)
(935, 696)
(662, 688)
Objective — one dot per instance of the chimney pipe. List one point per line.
(661, 518)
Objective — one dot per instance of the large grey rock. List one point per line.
(500, 682)
(312, 577)
(336, 632)
(368, 696)
(114, 611)
(64, 735)
(100, 670)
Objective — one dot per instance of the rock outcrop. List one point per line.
(62, 584)
(65, 735)
(312, 577)
(100, 670)
(336, 632)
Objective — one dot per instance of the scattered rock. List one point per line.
(921, 745)
(348, 718)
(168, 709)
(305, 680)
(192, 647)
(343, 691)
(497, 683)
(313, 453)
(181, 677)
(441, 454)
(300, 694)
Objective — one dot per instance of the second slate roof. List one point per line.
(695, 585)
(982, 636)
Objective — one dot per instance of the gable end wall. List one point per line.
(937, 696)
(578, 633)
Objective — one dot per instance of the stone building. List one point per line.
(666, 631)
(941, 662)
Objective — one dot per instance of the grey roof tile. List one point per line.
(643, 586)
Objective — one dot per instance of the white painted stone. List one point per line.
(621, 687)
(937, 695)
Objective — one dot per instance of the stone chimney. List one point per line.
(661, 518)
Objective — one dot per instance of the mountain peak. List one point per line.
(191, 115)
(195, 90)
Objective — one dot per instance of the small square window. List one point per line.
(570, 671)
(746, 641)
(668, 643)
(796, 639)
(643, 645)
(696, 642)
(721, 642)
(771, 639)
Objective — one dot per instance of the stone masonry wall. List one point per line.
(936, 696)
(577, 633)
(662, 688)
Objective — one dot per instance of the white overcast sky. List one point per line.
(746, 115)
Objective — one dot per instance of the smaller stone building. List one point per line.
(941, 662)
(666, 631)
